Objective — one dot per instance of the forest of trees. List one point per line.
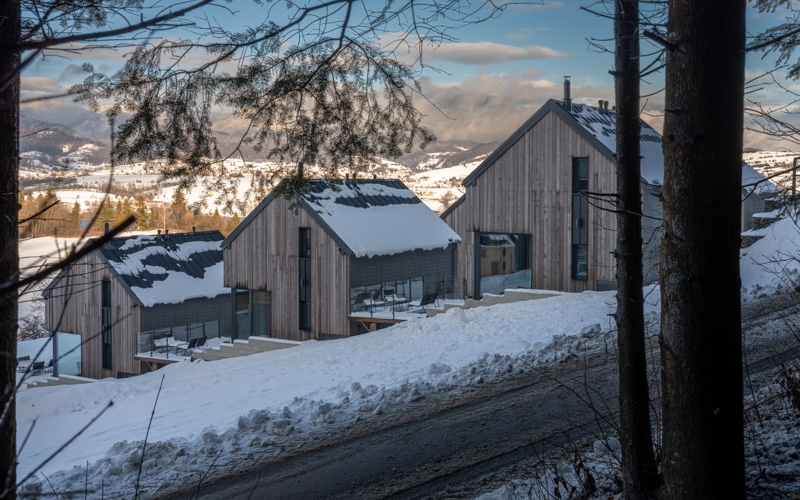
(45, 215)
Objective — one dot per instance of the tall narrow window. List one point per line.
(304, 258)
(105, 292)
(580, 219)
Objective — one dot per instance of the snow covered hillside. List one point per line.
(774, 165)
(234, 411)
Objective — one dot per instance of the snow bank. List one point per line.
(256, 405)
(772, 262)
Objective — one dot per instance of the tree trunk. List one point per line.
(701, 350)
(639, 473)
(9, 259)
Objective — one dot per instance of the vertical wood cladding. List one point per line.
(74, 306)
(264, 256)
(529, 190)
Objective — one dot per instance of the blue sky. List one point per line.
(484, 85)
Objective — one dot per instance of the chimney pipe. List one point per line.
(159, 233)
(374, 176)
(166, 232)
(605, 106)
(600, 105)
(567, 97)
(347, 178)
(193, 229)
(105, 228)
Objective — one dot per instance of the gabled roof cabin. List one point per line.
(123, 298)
(298, 271)
(549, 189)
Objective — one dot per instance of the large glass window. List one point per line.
(580, 218)
(67, 353)
(505, 262)
(252, 313)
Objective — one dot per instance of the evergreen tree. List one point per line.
(178, 209)
(143, 214)
(231, 224)
(76, 215)
(107, 213)
(217, 222)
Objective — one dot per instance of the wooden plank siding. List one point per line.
(529, 190)
(80, 291)
(264, 256)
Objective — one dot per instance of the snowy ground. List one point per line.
(227, 412)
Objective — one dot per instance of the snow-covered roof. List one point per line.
(369, 218)
(168, 268)
(601, 123)
(378, 217)
(754, 182)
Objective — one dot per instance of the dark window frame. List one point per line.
(304, 278)
(580, 219)
(105, 311)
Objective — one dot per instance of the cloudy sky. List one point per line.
(479, 85)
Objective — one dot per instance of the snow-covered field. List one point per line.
(225, 410)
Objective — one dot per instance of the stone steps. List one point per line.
(238, 348)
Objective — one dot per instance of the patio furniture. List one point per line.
(359, 302)
(426, 300)
(162, 344)
(392, 299)
(186, 348)
(49, 367)
(37, 367)
(201, 343)
(21, 367)
(374, 301)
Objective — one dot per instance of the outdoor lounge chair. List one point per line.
(201, 343)
(37, 367)
(426, 300)
(187, 348)
(374, 301)
(392, 299)
(359, 304)
(49, 367)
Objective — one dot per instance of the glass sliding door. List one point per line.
(504, 262)
(253, 313)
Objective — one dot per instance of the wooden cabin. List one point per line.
(115, 304)
(548, 188)
(299, 270)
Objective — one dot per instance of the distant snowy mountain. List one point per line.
(44, 144)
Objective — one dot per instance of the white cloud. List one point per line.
(489, 52)
(41, 85)
(490, 107)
